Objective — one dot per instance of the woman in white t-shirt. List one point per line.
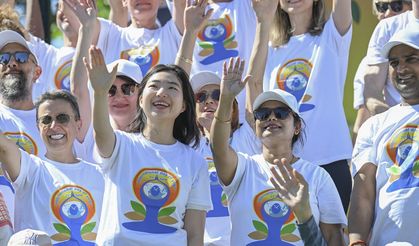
(156, 185)
(259, 214)
(206, 85)
(308, 57)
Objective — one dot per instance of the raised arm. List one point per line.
(225, 158)
(86, 13)
(101, 81)
(9, 157)
(361, 208)
(118, 13)
(178, 13)
(34, 19)
(265, 12)
(375, 79)
(415, 8)
(195, 19)
(342, 15)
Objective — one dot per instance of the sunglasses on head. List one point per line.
(20, 57)
(395, 6)
(127, 89)
(264, 113)
(60, 118)
(202, 96)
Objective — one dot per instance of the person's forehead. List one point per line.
(52, 107)
(13, 47)
(209, 87)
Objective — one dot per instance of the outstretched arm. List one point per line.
(225, 158)
(265, 13)
(195, 19)
(86, 13)
(361, 209)
(178, 13)
(118, 13)
(9, 157)
(34, 19)
(342, 15)
(101, 81)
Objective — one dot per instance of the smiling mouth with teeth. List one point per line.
(56, 136)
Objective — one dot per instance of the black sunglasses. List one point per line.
(20, 57)
(202, 96)
(396, 6)
(60, 118)
(127, 89)
(264, 113)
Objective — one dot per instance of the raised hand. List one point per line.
(292, 189)
(265, 9)
(100, 78)
(231, 82)
(85, 10)
(195, 16)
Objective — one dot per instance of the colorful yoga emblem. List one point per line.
(156, 189)
(145, 56)
(403, 151)
(74, 207)
(218, 197)
(276, 223)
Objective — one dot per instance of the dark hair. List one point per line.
(126, 79)
(185, 129)
(281, 29)
(300, 137)
(59, 95)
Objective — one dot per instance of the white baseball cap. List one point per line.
(128, 69)
(30, 237)
(204, 78)
(8, 37)
(408, 36)
(277, 95)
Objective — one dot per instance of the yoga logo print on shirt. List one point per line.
(218, 197)
(74, 207)
(277, 222)
(403, 151)
(62, 76)
(293, 77)
(155, 189)
(217, 40)
(23, 141)
(145, 56)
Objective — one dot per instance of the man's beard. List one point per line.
(13, 87)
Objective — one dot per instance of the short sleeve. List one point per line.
(364, 146)
(328, 197)
(200, 195)
(108, 163)
(28, 167)
(379, 38)
(232, 188)
(359, 84)
(339, 43)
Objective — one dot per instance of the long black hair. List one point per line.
(185, 129)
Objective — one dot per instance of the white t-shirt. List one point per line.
(229, 32)
(313, 69)
(20, 127)
(64, 200)
(390, 140)
(218, 225)
(56, 66)
(140, 45)
(384, 30)
(148, 188)
(359, 84)
(259, 216)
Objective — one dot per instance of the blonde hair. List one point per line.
(281, 30)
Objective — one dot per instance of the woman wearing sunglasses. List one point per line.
(206, 86)
(260, 215)
(387, 8)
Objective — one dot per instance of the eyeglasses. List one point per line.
(202, 96)
(20, 57)
(262, 114)
(127, 89)
(395, 6)
(60, 118)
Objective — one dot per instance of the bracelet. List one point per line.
(186, 60)
(358, 242)
(222, 121)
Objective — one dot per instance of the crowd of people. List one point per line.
(224, 126)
